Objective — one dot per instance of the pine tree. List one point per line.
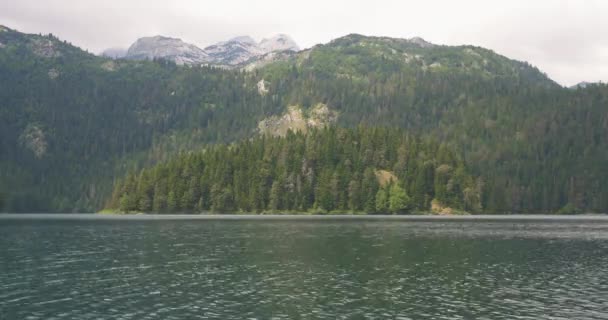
(172, 206)
(326, 173)
(159, 204)
(276, 193)
(145, 203)
(370, 189)
(354, 195)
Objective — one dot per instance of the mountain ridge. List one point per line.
(72, 122)
(229, 53)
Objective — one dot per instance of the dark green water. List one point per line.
(246, 269)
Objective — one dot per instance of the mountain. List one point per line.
(229, 53)
(233, 51)
(359, 55)
(72, 123)
(173, 49)
(281, 42)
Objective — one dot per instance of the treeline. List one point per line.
(71, 122)
(540, 148)
(368, 170)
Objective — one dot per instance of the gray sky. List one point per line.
(567, 39)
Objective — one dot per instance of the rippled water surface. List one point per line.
(248, 269)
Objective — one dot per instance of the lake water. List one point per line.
(152, 268)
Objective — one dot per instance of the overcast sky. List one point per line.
(567, 39)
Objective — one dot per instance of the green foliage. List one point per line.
(569, 209)
(326, 170)
(382, 201)
(394, 199)
(399, 201)
(70, 123)
(536, 146)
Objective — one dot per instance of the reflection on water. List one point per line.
(208, 269)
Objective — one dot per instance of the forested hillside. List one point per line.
(328, 170)
(71, 123)
(538, 146)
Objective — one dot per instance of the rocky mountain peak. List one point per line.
(280, 42)
(148, 48)
(226, 53)
(233, 51)
(420, 42)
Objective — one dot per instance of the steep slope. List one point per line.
(359, 55)
(71, 122)
(508, 119)
(160, 47)
(226, 54)
(233, 51)
(280, 42)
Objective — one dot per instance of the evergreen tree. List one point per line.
(159, 203)
(70, 125)
(172, 206)
(354, 196)
(276, 193)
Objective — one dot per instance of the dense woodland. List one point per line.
(72, 123)
(329, 170)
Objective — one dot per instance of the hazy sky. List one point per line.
(567, 39)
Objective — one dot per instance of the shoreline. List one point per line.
(277, 217)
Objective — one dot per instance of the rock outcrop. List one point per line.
(280, 42)
(160, 47)
(236, 52)
(296, 120)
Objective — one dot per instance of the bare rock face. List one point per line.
(297, 121)
(233, 51)
(236, 52)
(262, 90)
(420, 42)
(385, 177)
(280, 42)
(160, 47)
(45, 48)
(321, 116)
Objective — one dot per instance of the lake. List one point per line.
(92, 267)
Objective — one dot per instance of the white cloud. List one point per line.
(565, 38)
